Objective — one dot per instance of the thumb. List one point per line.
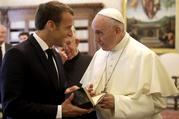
(90, 86)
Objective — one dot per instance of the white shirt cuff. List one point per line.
(59, 112)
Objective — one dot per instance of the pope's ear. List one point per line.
(118, 29)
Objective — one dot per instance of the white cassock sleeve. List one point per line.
(145, 106)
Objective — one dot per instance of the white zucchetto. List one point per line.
(112, 13)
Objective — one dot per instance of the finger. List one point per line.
(70, 98)
(103, 105)
(104, 102)
(71, 89)
(92, 93)
(90, 110)
(67, 91)
(90, 87)
(80, 111)
(105, 99)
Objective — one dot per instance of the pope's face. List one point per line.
(104, 32)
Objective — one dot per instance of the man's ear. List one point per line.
(50, 25)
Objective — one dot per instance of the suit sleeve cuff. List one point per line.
(59, 112)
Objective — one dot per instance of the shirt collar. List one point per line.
(42, 44)
(122, 43)
(3, 48)
(3, 45)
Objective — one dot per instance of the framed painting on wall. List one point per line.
(152, 22)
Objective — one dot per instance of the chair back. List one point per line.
(171, 63)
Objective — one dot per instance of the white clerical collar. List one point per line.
(42, 44)
(122, 43)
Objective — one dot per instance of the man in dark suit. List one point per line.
(32, 76)
(75, 65)
(75, 62)
(3, 46)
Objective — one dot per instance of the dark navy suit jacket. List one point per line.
(28, 88)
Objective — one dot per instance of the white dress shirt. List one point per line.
(3, 49)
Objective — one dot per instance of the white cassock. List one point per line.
(135, 76)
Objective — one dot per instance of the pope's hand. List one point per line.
(90, 90)
(107, 102)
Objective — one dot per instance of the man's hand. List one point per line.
(70, 110)
(107, 102)
(71, 89)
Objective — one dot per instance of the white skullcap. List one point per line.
(112, 13)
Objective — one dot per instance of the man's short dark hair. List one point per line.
(50, 11)
(23, 33)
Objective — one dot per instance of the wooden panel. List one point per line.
(82, 12)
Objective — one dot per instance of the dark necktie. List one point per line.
(52, 68)
(0, 56)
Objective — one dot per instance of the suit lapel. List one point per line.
(43, 60)
(60, 69)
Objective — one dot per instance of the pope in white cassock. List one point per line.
(131, 74)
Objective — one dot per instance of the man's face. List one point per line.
(63, 30)
(70, 47)
(104, 32)
(23, 38)
(3, 33)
